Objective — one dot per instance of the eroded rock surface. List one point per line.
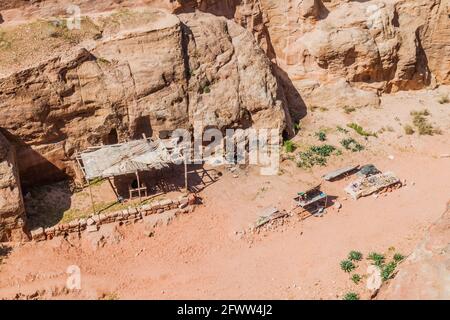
(12, 212)
(148, 73)
(425, 275)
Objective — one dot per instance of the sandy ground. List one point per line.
(203, 255)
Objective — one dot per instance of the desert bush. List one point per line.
(355, 255)
(387, 271)
(422, 124)
(347, 266)
(349, 109)
(4, 43)
(289, 146)
(341, 130)
(352, 144)
(315, 155)
(360, 130)
(351, 296)
(321, 135)
(398, 257)
(408, 129)
(356, 278)
(444, 99)
(377, 258)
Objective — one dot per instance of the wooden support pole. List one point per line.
(139, 185)
(92, 198)
(186, 186)
(114, 189)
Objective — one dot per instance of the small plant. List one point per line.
(297, 127)
(315, 108)
(408, 130)
(387, 271)
(351, 296)
(444, 99)
(315, 155)
(321, 135)
(356, 278)
(109, 296)
(325, 150)
(4, 43)
(206, 89)
(342, 130)
(289, 146)
(103, 60)
(377, 258)
(355, 256)
(360, 130)
(348, 109)
(347, 266)
(424, 113)
(421, 123)
(352, 144)
(398, 257)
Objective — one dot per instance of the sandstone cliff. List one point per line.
(12, 212)
(150, 72)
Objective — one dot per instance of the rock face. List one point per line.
(425, 275)
(150, 73)
(375, 46)
(12, 212)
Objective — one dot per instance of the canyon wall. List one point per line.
(149, 73)
(12, 211)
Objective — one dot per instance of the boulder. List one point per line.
(12, 210)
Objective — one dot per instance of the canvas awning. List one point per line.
(125, 158)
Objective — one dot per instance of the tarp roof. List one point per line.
(125, 158)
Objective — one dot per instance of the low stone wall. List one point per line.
(95, 221)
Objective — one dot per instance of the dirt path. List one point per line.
(203, 256)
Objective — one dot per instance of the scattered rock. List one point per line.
(92, 228)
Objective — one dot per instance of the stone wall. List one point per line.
(94, 222)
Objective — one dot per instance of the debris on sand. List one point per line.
(369, 185)
(269, 215)
(342, 172)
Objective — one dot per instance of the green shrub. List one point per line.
(321, 135)
(325, 150)
(347, 266)
(356, 278)
(387, 271)
(377, 258)
(355, 256)
(351, 144)
(361, 131)
(351, 296)
(398, 257)
(315, 155)
(289, 146)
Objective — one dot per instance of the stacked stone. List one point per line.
(93, 223)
